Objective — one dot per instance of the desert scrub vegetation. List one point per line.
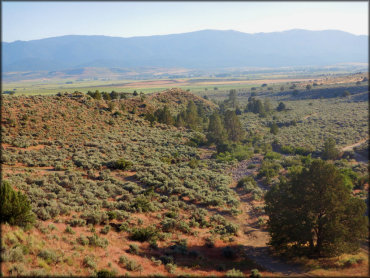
(98, 164)
(128, 264)
(309, 122)
(249, 185)
(85, 165)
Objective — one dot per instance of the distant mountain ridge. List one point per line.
(201, 49)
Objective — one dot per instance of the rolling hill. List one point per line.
(205, 49)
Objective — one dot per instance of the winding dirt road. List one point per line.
(351, 147)
(254, 239)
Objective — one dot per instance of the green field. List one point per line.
(195, 84)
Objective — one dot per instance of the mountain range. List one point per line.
(205, 49)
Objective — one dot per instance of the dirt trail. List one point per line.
(358, 157)
(308, 116)
(254, 239)
(351, 147)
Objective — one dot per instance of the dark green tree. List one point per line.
(180, 119)
(232, 98)
(267, 105)
(238, 111)
(191, 115)
(233, 126)
(314, 213)
(330, 152)
(274, 129)
(281, 107)
(15, 207)
(150, 117)
(106, 96)
(346, 93)
(216, 131)
(114, 95)
(255, 106)
(95, 95)
(164, 116)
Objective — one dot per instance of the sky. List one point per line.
(36, 20)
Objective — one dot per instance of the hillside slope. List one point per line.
(69, 155)
(201, 49)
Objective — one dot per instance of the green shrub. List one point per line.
(272, 155)
(95, 217)
(133, 249)
(94, 240)
(227, 229)
(193, 163)
(133, 266)
(14, 255)
(17, 270)
(209, 242)
(37, 272)
(105, 230)
(74, 222)
(166, 259)
(249, 185)
(121, 164)
(168, 224)
(155, 261)
(104, 273)
(171, 268)
(82, 240)
(124, 227)
(153, 244)
(217, 219)
(123, 260)
(269, 169)
(197, 140)
(89, 261)
(255, 274)
(352, 261)
(234, 273)
(246, 181)
(69, 230)
(287, 149)
(15, 207)
(50, 256)
(171, 214)
(229, 152)
(180, 247)
(142, 204)
(144, 234)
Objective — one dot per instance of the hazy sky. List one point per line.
(36, 20)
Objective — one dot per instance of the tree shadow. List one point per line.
(274, 263)
(201, 257)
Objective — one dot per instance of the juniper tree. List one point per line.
(191, 115)
(313, 212)
(164, 116)
(232, 98)
(274, 129)
(330, 151)
(216, 131)
(233, 126)
(281, 107)
(15, 207)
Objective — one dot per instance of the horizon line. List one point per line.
(202, 30)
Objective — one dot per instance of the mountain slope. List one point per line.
(201, 49)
